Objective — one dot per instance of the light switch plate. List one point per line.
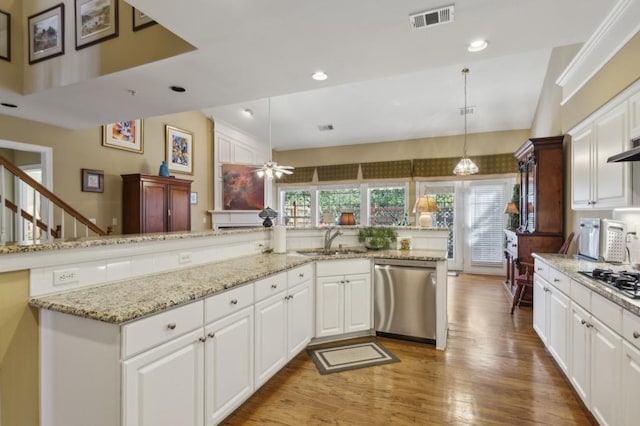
(66, 276)
(184, 257)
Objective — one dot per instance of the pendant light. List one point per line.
(271, 168)
(465, 166)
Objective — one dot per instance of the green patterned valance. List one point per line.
(487, 165)
(338, 172)
(300, 175)
(386, 169)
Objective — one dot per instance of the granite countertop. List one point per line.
(127, 300)
(571, 266)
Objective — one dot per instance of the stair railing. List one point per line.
(13, 218)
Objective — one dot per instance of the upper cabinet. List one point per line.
(596, 184)
(634, 116)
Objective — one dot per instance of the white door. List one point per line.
(329, 306)
(228, 364)
(357, 302)
(271, 338)
(580, 352)
(630, 384)
(581, 167)
(540, 307)
(299, 318)
(164, 386)
(612, 179)
(606, 352)
(558, 333)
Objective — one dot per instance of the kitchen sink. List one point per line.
(330, 252)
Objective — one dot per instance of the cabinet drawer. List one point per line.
(146, 333)
(581, 295)
(228, 302)
(631, 328)
(298, 275)
(560, 280)
(607, 312)
(542, 269)
(269, 286)
(343, 267)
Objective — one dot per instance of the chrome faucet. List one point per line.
(328, 238)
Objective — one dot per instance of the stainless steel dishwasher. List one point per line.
(405, 299)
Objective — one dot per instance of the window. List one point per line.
(486, 204)
(296, 207)
(387, 205)
(338, 200)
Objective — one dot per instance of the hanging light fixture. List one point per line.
(465, 166)
(271, 168)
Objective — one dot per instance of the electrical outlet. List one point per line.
(114, 221)
(184, 257)
(66, 276)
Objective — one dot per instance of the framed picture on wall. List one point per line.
(242, 189)
(92, 180)
(127, 135)
(96, 21)
(179, 150)
(5, 36)
(141, 20)
(46, 34)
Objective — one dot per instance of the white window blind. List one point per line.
(486, 202)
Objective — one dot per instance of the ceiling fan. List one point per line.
(272, 168)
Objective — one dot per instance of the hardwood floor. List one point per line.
(495, 371)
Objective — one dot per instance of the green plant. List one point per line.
(377, 237)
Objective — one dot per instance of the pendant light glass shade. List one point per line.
(465, 166)
(271, 169)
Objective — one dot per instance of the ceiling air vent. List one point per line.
(429, 18)
(468, 110)
(325, 127)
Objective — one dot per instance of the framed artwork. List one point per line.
(46, 34)
(96, 21)
(92, 180)
(5, 36)
(194, 198)
(242, 188)
(126, 135)
(140, 20)
(179, 150)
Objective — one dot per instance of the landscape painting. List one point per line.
(46, 34)
(242, 188)
(96, 21)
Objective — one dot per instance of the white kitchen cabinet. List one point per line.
(606, 353)
(343, 302)
(540, 307)
(164, 386)
(271, 336)
(580, 352)
(630, 384)
(597, 184)
(299, 318)
(634, 116)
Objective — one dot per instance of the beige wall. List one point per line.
(74, 150)
(11, 72)
(19, 370)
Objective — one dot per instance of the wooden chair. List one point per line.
(525, 277)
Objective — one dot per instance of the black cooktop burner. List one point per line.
(626, 282)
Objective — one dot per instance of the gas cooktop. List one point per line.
(625, 282)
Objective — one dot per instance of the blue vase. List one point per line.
(164, 170)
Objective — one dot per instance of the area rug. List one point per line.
(350, 357)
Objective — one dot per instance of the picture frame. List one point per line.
(96, 21)
(242, 188)
(141, 20)
(5, 36)
(193, 198)
(92, 180)
(46, 34)
(127, 135)
(179, 150)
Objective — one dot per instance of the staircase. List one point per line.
(37, 225)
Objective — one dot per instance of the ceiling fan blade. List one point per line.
(286, 172)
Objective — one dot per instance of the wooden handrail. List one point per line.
(51, 196)
(26, 215)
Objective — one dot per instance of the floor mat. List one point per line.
(350, 356)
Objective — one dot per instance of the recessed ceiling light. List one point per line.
(247, 113)
(319, 76)
(178, 89)
(477, 45)
(8, 105)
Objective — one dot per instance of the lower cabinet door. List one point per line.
(580, 352)
(630, 384)
(329, 306)
(164, 386)
(299, 318)
(558, 330)
(228, 364)
(540, 307)
(606, 352)
(271, 337)
(357, 302)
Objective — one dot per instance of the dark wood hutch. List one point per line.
(541, 224)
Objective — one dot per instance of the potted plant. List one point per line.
(377, 237)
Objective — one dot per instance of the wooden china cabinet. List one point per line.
(541, 228)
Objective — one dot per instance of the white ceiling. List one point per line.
(386, 81)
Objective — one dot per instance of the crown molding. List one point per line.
(620, 25)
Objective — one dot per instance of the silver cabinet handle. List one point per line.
(341, 281)
(636, 335)
(539, 269)
(202, 339)
(274, 285)
(583, 322)
(234, 301)
(291, 296)
(301, 275)
(589, 325)
(348, 281)
(211, 334)
(171, 326)
(555, 280)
